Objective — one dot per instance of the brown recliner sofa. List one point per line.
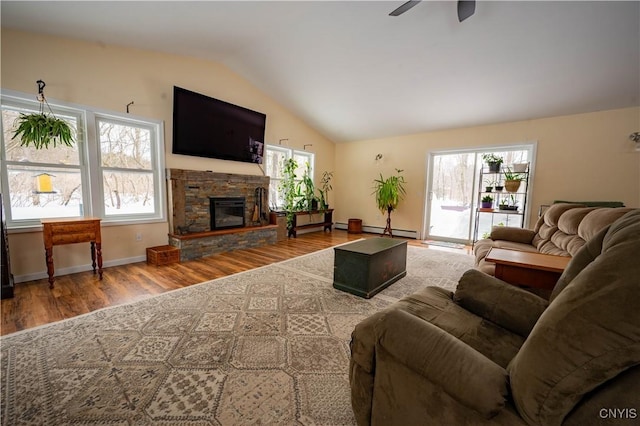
(562, 230)
(492, 353)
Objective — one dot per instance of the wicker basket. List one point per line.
(163, 255)
(512, 185)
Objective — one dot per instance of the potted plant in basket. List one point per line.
(512, 180)
(493, 161)
(388, 194)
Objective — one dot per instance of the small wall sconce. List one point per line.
(635, 137)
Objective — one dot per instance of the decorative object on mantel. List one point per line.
(635, 137)
(42, 128)
(388, 194)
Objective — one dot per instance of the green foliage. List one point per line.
(306, 190)
(487, 199)
(325, 187)
(492, 158)
(289, 189)
(40, 130)
(389, 191)
(509, 175)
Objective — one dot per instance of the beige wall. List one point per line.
(109, 77)
(585, 156)
(579, 157)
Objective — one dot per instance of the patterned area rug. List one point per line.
(266, 346)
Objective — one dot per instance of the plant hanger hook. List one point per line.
(41, 85)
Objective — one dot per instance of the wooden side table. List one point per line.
(71, 231)
(527, 269)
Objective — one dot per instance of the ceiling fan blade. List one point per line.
(406, 6)
(466, 9)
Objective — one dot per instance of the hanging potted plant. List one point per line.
(43, 128)
(388, 194)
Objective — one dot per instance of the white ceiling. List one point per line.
(353, 72)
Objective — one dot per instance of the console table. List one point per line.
(527, 269)
(326, 223)
(71, 231)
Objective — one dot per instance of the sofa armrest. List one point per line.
(462, 372)
(506, 305)
(516, 235)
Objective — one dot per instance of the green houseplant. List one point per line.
(486, 202)
(512, 180)
(493, 161)
(43, 128)
(288, 188)
(388, 194)
(325, 187)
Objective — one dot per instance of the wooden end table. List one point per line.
(527, 269)
(71, 231)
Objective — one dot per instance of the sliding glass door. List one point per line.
(451, 196)
(453, 189)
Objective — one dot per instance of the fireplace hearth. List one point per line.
(227, 212)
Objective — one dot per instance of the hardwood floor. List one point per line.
(35, 304)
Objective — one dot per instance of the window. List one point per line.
(114, 170)
(275, 157)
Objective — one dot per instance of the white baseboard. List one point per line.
(76, 269)
(407, 233)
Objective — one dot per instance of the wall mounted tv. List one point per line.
(208, 127)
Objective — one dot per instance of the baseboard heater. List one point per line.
(407, 233)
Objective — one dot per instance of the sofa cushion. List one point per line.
(589, 334)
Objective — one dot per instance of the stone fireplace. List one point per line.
(193, 195)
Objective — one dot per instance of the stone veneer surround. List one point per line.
(189, 196)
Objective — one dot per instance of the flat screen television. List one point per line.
(208, 127)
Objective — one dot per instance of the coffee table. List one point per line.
(366, 267)
(527, 269)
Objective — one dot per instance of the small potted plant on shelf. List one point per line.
(493, 161)
(512, 180)
(487, 202)
(490, 183)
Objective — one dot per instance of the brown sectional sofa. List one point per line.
(492, 353)
(562, 230)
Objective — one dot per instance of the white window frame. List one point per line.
(274, 182)
(89, 152)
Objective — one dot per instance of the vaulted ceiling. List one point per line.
(353, 72)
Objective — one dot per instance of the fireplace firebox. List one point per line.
(226, 212)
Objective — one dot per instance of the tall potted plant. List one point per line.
(389, 192)
(325, 187)
(288, 189)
